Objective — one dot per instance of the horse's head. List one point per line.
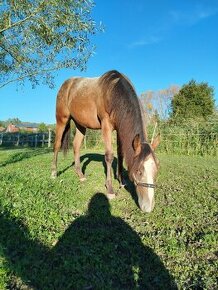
(144, 171)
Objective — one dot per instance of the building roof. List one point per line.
(27, 125)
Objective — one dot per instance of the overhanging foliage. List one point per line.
(40, 37)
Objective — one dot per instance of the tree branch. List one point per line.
(29, 75)
(16, 23)
(10, 53)
(23, 20)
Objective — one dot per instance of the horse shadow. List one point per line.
(85, 160)
(89, 157)
(19, 156)
(97, 251)
(129, 186)
(96, 157)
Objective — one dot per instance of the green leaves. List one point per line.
(38, 37)
(193, 101)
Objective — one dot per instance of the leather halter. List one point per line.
(143, 184)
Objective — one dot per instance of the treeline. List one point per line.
(186, 118)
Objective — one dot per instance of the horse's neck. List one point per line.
(126, 143)
(129, 118)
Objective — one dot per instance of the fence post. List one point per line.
(18, 139)
(1, 139)
(36, 140)
(49, 138)
(43, 140)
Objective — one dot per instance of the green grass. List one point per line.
(63, 234)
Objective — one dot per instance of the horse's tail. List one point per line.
(65, 141)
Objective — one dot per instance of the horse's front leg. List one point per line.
(120, 163)
(77, 142)
(107, 137)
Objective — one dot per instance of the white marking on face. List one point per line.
(149, 168)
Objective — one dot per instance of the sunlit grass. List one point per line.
(63, 234)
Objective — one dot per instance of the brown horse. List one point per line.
(108, 103)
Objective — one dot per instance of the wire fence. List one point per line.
(27, 139)
(187, 140)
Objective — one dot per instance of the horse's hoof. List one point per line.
(53, 175)
(111, 196)
(82, 179)
(122, 185)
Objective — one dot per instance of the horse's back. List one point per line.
(81, 97)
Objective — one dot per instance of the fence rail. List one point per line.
(187, 141)
(27, 139)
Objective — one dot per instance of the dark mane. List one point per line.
(125, 109)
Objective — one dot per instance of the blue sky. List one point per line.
(155, 43)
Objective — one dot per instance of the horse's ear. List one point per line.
(136, 144)
(155, 142)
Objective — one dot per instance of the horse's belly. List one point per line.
(86, 118)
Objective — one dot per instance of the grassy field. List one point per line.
(63, 234)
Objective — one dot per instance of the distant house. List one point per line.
(2, 129)
(12, 128)
(29, 127)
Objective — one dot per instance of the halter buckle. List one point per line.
(144, 184)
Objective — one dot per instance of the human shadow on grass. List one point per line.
(19, 156)
(97, 251)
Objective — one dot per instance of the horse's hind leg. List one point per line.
(79, 136)
(60, 127)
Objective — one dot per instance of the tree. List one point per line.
(194, 100)
(14, 121)
(42, 36)
(157, 103)
(42, 127)
(2, 124)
